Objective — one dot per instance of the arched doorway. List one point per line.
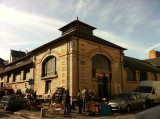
(102, 65)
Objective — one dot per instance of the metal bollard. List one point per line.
(43, 111)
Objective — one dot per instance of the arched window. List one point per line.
(100, 63)
(49, 66)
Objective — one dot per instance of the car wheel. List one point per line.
(152, 103)
(143, 106)
(128, 108)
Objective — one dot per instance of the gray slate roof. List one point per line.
(139, 64)
(155, 61)
(18, 54)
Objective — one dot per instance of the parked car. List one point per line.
(11, 102)
(127, 102)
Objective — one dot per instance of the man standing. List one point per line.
(66, 101)
(84, 98)
(79, 101)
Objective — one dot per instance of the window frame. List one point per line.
(47, 70)
(131, 74)
(105, 62)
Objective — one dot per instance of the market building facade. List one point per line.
(75, 60)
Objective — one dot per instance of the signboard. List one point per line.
(101, 75)
(31, 82)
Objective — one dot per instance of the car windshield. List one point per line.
(122, 95)
(145, 89)
(4, 98)
(125, 95)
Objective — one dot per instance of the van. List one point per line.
(150, 90)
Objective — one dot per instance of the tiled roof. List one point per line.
(96, 39)
(139, 64)
(24, 63)
(80, 34)
(1, 60)
(76, 22)
(155, 61)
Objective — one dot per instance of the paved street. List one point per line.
(150, 113)
(23, 114)
(8, 115)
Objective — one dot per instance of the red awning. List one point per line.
(5, 88)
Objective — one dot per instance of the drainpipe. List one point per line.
(121, 69)
(78, 63)
(33, 58)
(68, 64)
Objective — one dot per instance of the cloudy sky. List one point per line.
(132, 24)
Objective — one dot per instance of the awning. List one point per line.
(5, 88)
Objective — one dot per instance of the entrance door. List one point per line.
(47, 86)
(102, 87)
(101, 63)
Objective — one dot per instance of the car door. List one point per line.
(139, 101)
(133, 101)
(12, 101)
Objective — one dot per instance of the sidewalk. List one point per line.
(37, 115)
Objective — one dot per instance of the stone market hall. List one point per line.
(75, 60)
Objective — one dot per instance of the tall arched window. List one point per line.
(100, 63)
(49, 66)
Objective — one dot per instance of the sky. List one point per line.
(132, 24)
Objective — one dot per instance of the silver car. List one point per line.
(127, 102)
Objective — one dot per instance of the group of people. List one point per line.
(63, 98)
(83, 97)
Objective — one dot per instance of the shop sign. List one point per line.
(31, 82)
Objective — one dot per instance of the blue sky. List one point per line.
(132, 24)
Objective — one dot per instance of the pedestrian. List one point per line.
(91, 95)
(35, 95)
(79, 101)
(66, 102)
(84, 98)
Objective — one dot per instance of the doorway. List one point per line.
(101, 64)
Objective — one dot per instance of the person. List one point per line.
(91, 95)
(66, 101)
(84, 98)
(79, 101)
(35, 95)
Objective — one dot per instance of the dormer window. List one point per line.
(77, 25)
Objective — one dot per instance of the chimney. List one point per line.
(152, 54)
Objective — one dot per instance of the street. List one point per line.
(8, 115)
(149, 113)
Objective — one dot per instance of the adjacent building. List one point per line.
(136, 70)
(154, 58)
